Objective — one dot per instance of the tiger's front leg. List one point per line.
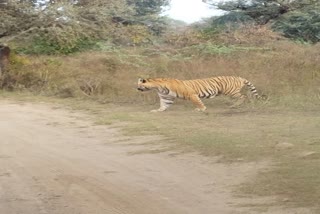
(196, 100)
(165, 102)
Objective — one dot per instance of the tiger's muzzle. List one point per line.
(142, 88)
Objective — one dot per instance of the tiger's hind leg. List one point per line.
(240, 99)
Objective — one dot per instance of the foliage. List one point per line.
(148, 7)
(45, 45)
(301, 25)
(262, 11)
(298, 19)
(234, 19)
(184, 37)
(248, 34)
(70, 26)
(132, 35)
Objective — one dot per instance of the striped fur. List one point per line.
(194, 90)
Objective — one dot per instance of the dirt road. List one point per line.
(56, 161)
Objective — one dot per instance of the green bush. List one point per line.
(234, 19)
(301, 25)
(43, 45)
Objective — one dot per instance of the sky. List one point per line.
(190, 10)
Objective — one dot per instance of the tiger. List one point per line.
(196, 89)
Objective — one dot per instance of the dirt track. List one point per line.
(56, 161)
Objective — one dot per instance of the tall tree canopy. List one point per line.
(263, 11)
(148, 7)
(65, 23)
(299, 19)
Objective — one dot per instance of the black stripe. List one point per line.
(202, 95)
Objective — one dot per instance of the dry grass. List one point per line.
(249, 34)
(289, 73)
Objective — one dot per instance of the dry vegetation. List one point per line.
(288, 72)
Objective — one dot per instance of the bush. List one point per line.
(301, 25)
(49, 46)
(234, 19)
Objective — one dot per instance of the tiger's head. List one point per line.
(153, 83)
(144, 85)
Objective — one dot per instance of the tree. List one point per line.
(300, 24)
(24, 16)
(148, 13)
(67, 25)
(148, 7)
(295, 18)
(4, 59)
(263, 11)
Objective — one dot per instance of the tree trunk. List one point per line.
(4, 59)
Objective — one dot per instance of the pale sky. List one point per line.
(190, 10)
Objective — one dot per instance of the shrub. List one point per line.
(49, 46)
(301, 25)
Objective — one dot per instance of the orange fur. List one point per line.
(169, 89)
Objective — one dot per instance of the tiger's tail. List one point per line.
(253, 90)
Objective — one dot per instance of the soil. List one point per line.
(57, 161)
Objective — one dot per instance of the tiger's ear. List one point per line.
(142, 80)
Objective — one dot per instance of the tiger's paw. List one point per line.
(200, 109)
(156, 110)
